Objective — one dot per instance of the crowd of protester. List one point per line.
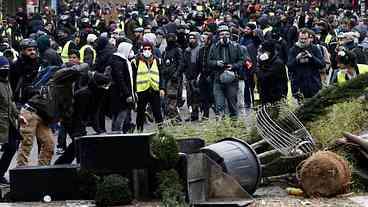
(62, 71)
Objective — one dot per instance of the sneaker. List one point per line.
(60, 151)
(4, 181)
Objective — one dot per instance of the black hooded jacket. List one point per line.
(104, 52)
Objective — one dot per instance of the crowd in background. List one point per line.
(133, 63)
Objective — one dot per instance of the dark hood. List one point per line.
(102, 42)
(43, 43)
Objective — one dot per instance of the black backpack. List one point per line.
(54, 101)
(46, 104)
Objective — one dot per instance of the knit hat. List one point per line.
(43, 43)
(223, 28)
(149, 37)
(91, 38)
(3, 61)
(251, 26)
(147, 44)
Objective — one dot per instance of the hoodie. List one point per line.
(49, 56)
(104, 52)
(122, 77)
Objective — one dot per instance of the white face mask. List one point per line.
(147, 54)
(264, 57)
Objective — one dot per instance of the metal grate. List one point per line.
(282, 130)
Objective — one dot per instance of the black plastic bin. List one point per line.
(114, 153)
(190, 145)
(32, 183)
(238, 159)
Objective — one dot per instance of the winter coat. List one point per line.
(229, 54)
(104, 52)
(191, 69)
(8, 111)
(49, 56)
(22, 74)
(272, 80)
(58, 102)
(121, 87)
(172, 66)
(306, 76)
(203, 63)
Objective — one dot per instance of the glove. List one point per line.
(129, 99)
(91, 75)
(220, 63)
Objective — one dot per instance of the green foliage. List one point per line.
(348, 116)
(87, 183)
(212, 130)
(317, 106)
(113, 190)
(165, 149)
(170, 189)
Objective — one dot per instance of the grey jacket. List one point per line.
(8, 111)
(230, 53)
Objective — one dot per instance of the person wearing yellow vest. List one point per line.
(87, 52)
(348, 68)
(147, 85)
(71, 44)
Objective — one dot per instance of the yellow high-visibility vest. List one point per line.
(7, 32)
(82, 51)
(65, 52)
(140, 20)
(328, 39)
(122, 26)
(268, 29)
(341, 76)
(59, 50)
(147, 78)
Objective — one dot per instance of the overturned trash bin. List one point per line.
(209, 185)
(190, 145)
(238, 159)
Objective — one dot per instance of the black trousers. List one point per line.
(100, 100)
(153, 98)
(71, 151)
(9, 149)
(75, 128)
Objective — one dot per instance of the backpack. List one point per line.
(43, 76)
(46, 104)
(55, 94)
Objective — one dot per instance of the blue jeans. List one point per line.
(121, 121)
(226, 92)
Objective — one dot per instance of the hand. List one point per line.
(228, 67)
(308, 54)
(129, 99)
(162, 93)
(300, 56)
(220, 63)
(23, 121)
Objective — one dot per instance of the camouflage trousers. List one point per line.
(35, 128)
